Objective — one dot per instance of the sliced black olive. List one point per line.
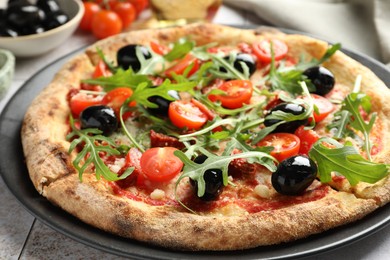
(288, 127)
(127, 57)
(100, 117)
(48, 6)
(213, 179)
(294, 175)
(243, 58)
(322, 79)
(162, 103)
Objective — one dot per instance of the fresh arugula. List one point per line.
(288, 78)
(180, 48)
(93, 143)
(345, 160)
(350, 116)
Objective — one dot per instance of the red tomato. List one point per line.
(307, 137)
(159, 48)
(262, 50)
(116, 97)
(126, 12)
(101, 70)
(81, 101)
(210, 114)
(285, 145)
(90, 9)
(238, 93)
(186, 114)
(106, 23)
(325, 107)
(160, 164)
(139, 5)
(182, 65)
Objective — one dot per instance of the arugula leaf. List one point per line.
(287, 79)
(122, 78)
(346, 161)
(225, 68)
(180, 49)
(340, 124)
(92, 143)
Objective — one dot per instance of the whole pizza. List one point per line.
(208, 137)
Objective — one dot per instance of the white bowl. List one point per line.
(37, 44)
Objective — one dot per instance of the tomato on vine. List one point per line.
(91, 8)
(126, 12)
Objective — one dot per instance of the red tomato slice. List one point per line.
(186, 114)
(159, 48)
(101, 70)
(325, 107)
(182, 65)
(307, 137)
(285, 145)
(262, 50)
(81, 101)
(238, 93)
(160, 164)
(116, 97)
(210, 114)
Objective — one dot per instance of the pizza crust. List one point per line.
(45, 127)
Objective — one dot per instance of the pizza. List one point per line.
(208, 137)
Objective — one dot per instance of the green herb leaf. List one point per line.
(180, 49)
(122, 78)
(346, 161)
(93, 143)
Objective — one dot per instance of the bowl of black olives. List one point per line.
(33, 27)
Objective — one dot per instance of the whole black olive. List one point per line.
(48, 6)
(322, 79)
(53, 20)
(26, 15)
(243, 58)
(288, 127)
(100, 117)
(8, 32)
(127, 57)
(162, 103)
(293, 175)
(213, 179)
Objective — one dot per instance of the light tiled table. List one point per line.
(24, 237)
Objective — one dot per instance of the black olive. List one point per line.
(48, 6)
(213, 179)
(288, 127)
(293, 175)
(53, 20)
(127, 57)
(8, 31)
(100, 117)
(26, 15)
(245, 58)
(162, 103)
(322, 79)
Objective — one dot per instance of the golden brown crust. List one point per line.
(92, 201)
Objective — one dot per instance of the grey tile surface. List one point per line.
(15, 224)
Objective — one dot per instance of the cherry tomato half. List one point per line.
(262, 50)
(186, 114)
(90, 9)
(182, 65)
(81, 101)
(307, 137)
(126, 12)
(101, 70)
(238, 93)
(285, 145)
(325, 107)
(106, 23)
(159, 48)
(116, 97)
(160, 164)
